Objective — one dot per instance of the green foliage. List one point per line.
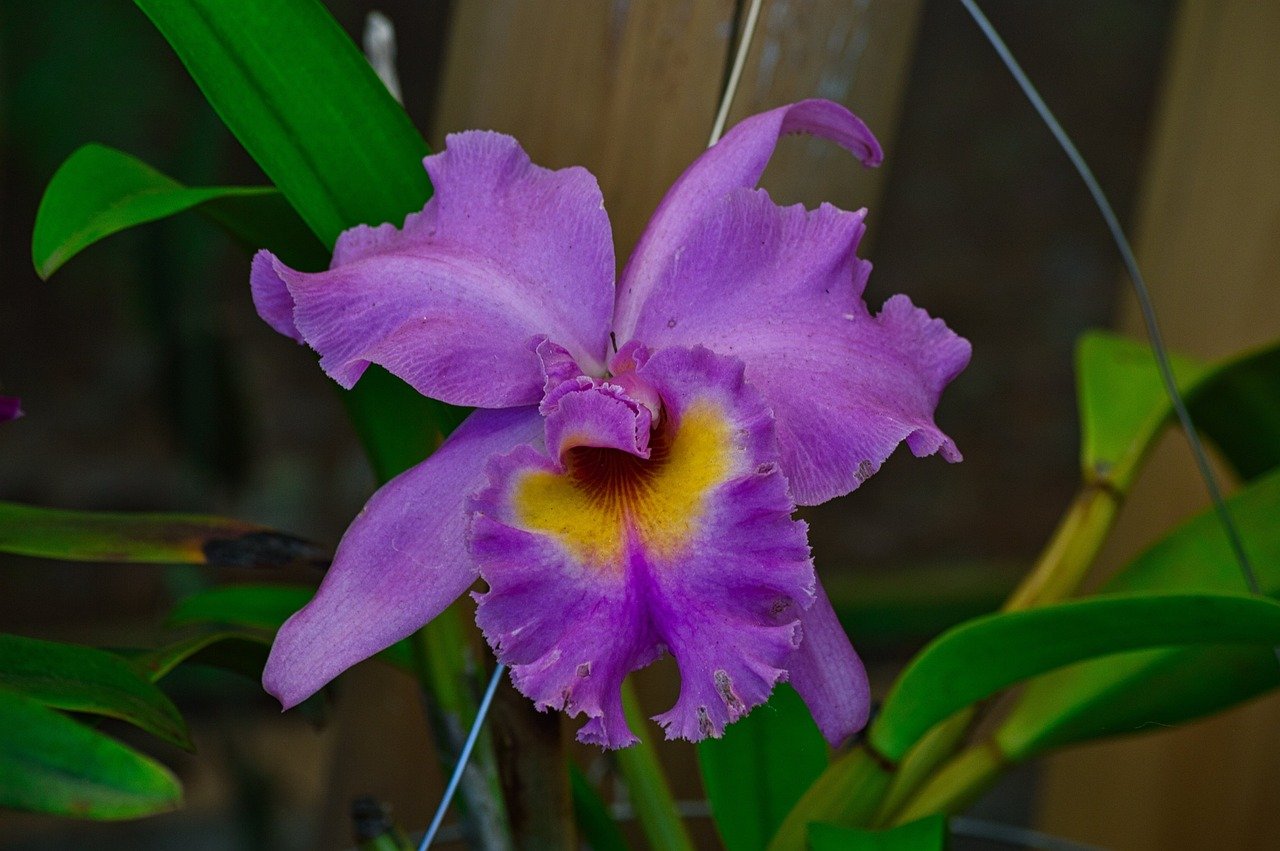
(85, 679)
(977, 659)
(305, 104)
(756, 773)
(1124, 407)
(100, 191)
(926, 834)
(241, 650)
(51, 764)
(1155, 688)
(595, 824)
(263, 607)
(148, 538)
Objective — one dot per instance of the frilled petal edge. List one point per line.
(401, 562)
(505, 253)
(781, 289)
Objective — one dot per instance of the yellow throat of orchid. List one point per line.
(606, 494)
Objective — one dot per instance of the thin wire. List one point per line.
(1008, 834)
(1139, 288)
(456, 777)
(735, 75)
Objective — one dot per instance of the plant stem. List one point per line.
(847, 793)
(960, 782)
(534, 769)
(651, 797)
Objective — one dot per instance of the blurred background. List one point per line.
(149, 382)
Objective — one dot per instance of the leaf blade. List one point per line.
(86, 679)
(51, 764)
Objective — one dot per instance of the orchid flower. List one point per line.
(10, 408)
(627, 484)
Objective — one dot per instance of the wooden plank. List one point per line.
(1206, 239)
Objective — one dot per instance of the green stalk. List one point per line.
(957, 785)
(847, 793)
(650, 794)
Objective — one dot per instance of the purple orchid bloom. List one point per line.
(626, 487)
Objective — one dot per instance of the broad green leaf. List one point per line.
(148, 538)
(262, 607)
(305, 104)
(1123, 406)
(927, 834)
(51, 764)
(307, 107)
(1151, 689)
(1122, 400)
(100, 191)
(756, 773)
(595, 825)
(85, 679)
(977, 659)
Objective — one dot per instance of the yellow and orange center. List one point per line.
(604, 495)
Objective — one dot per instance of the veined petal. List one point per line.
(504, 253)
(781, 289)
(599, 560)
(401, 562)
(828, 674)
(735, 162)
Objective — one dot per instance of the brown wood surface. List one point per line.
(1208, 239)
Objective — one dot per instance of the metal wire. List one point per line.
(1139, 288)
(735, 75)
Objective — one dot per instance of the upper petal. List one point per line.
(781, 289)
(401, 562)
(736, 161)
(504, 252)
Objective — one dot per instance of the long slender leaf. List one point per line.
(85, 679)
(304, 103)
(51, 764)
(1151, 689)
(100, 191)
(242, 650)
(756, 773)
(975, 660)
(262, 607)
(148, 538)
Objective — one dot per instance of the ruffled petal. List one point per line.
(781, 289)
(736, 161)
(504, 253)
(828, 674)
(401, 562)
(598, 560)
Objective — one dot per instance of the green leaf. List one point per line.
(926, 834)
(100, 191)
(85, 679)
(1122, 400)
(240, 650)
(1124, 407)
(149, 538)
(262, 607)
(1152, 689)
(596, 826)
(977, 659)
(51, 764)
(756, 773)
(305, 104)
